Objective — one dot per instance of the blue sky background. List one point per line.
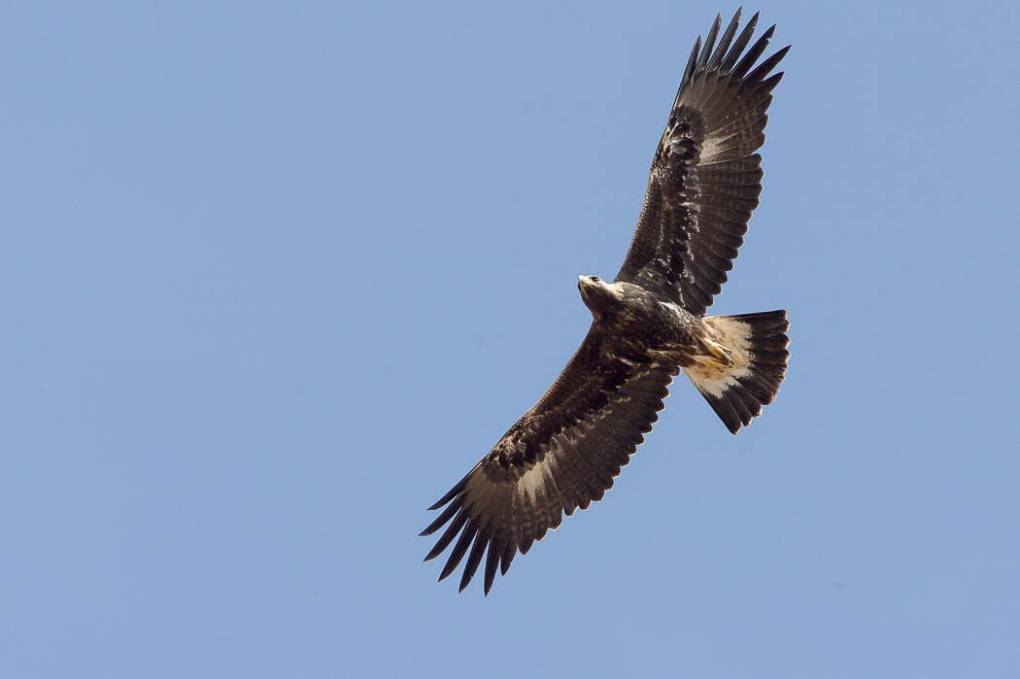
(274, 277)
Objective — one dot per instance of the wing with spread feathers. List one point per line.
(705, 178)
(560, 455)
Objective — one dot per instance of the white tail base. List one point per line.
(728, 339)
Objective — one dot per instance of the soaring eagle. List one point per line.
(648, 324)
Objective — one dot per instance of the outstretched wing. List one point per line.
(706, 177)
(560, 455)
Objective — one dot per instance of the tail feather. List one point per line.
(756, 348)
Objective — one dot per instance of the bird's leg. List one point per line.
(717, 351)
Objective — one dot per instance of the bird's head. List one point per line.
(598, 295)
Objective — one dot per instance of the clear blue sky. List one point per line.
(274, 277)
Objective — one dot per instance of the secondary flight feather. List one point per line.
(647, 325)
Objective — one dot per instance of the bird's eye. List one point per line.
(594, 279)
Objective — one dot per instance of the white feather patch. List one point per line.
(534, 479)
(713, 148)
(712, 376)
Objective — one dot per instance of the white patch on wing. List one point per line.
(712, 376)
(713, 147)
(534, 479)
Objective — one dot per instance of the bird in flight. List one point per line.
(647, 325)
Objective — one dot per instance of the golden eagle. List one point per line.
(648, 324)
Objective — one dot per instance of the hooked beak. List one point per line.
(589, 286)
(584, 284)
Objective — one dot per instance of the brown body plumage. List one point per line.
(647, 325)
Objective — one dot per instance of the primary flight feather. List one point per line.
(647, 325)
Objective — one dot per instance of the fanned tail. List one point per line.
(748, 364)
